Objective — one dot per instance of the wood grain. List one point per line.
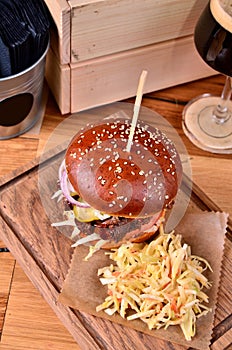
(117, 26)
(14, 154)
(164, 70)
(208, 177)
(44, 331)
(7, 264)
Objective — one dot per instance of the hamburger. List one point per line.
(116, 195)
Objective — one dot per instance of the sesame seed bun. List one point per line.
(138, 183)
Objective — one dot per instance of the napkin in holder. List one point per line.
(24, 41)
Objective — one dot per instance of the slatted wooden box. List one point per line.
(101, 46)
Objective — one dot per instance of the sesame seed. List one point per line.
(74, 155)
(113, 126)
(118, 169)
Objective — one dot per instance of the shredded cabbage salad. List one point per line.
(160, 283)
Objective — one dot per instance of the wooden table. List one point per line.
(26, 321)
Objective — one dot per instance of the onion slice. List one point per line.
(64, 187)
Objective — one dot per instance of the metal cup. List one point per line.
(21, 98)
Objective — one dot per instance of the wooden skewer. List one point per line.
(137, 105)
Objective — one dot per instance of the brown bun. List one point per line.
(138, 183)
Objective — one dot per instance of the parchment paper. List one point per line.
(204, 231)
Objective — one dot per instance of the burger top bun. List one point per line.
(138, 183)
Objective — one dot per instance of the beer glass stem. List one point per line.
(221, 113)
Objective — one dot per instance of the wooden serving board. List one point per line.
(44, 253)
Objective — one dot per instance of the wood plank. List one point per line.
(47, 290)
(7, 264)
(23, 149)
(60, 40)
(59, 79)
(28, 310)
(203, 168)
(121, 73)
(183, 93)
(101, 28)
(223, 343)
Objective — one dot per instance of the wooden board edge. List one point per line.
(60, 12)
(32, 165)
(46, 288)
(59, 80)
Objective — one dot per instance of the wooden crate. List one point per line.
(101, 47)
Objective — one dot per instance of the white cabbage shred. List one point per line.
(159, 282)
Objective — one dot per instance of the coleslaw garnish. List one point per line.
(160, 283)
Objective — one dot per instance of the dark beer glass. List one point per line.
(207, 120)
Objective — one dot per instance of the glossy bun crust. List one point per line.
(138, 183)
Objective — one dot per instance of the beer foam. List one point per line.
(222, 12)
